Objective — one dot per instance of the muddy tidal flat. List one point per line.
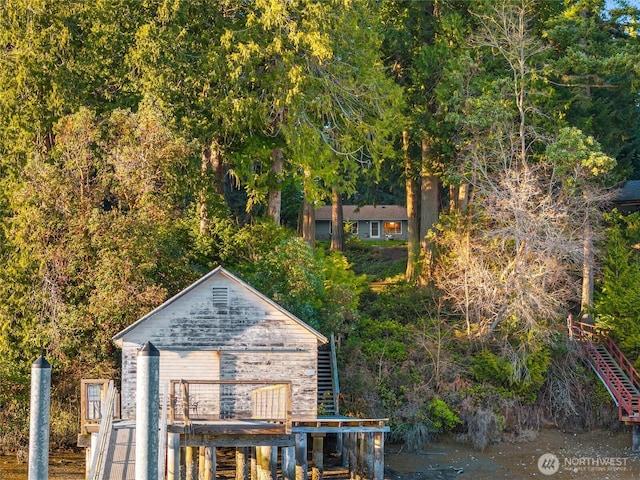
(62, 466)
(551, 453)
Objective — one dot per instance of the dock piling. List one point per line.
(147, 412)
(317, 470)
(302, 469)
(242, 469)
(173, 456)
(39, 419)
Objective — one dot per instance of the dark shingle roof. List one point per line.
(365, 212)
(629, 193)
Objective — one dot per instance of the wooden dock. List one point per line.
(269, 442)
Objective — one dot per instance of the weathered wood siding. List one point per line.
(221, 329)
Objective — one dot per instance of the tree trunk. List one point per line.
(458, 198)
(309, 223)
(275, 190)
(587, 273)
(413, 229)
(429, 209)
(211, 162)
(337, 224)
(203, 211)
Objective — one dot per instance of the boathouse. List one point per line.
(234, 370)
(220, 328)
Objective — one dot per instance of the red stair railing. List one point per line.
(591, 335)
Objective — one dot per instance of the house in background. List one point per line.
(627, 199)
(367, 222)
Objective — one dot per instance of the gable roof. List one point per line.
(629, 193)
(118, 337)
(365, 212)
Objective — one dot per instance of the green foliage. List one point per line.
(378, 261)
(503, 373)
(401, 303)
(442, 418)
(578, 157)
(320, 289)
(617, 298)
(594, 61)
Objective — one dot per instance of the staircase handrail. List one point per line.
(583, 331)
(162, 449)
(622, 395)
(622, 361)
(104, 433)
(334, 375)
(588, 332)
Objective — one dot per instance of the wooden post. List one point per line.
(253, 464)
(191, 459)
(369, 455)
(353, 457)
(361, 454)
(209, 463)
(88, 456)
(273, 462)
(338, 449)
(288, 463)
(378, 456)
(173, 456)
(241, 463)
(201, 462)
(302, 469)
(345, 449)
(185, 405)
(263, 462)
(317, 471)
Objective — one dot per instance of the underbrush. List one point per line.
(379, 261)
(428, 379)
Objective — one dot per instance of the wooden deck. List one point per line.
(200, 416)
(119, 456)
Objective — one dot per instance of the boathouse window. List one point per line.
(94, 403)
(220, 297)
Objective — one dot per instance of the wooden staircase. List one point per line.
(616, 372)
(328, 387)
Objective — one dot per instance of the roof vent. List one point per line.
(220, 297)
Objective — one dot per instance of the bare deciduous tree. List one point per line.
(513, 261)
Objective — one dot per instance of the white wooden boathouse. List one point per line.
(235, 370)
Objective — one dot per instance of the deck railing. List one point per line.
(209, 400)
(104, 434)
(591, 335)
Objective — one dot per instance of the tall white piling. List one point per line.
(39, 421)
(147, 412)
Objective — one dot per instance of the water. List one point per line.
(62, 466)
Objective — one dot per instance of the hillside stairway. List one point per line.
(616, 372)
(328, 386)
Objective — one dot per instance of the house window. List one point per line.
(375, 229)
(220, 297)
(392, 228)
(351, 227)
